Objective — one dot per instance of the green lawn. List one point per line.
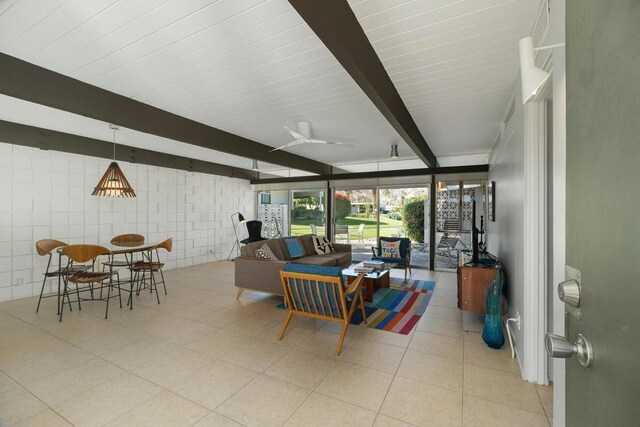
(388, 226)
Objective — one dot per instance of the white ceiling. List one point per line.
(250, 66)
(453, 62)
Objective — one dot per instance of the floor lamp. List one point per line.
(236, 244)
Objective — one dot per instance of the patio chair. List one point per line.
(341, 230)
(319, 293)
(447, 247)
(403, 261)
(360, 234)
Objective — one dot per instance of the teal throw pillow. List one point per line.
(294, 247)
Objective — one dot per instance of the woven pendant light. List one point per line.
(113, 183)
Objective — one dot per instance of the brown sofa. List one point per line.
(262, 275)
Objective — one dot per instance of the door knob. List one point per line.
(560, 347)
(569, 292)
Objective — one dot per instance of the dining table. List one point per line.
(128, 249)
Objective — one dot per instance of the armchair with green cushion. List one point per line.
(404, 261)
(318, 292)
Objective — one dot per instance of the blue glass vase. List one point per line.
(492, 332)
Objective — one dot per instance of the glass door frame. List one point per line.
(324, 206)
(352, 188)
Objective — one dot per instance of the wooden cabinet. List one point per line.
(473, 283)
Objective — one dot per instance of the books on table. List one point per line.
(364, 269)
(375, 264)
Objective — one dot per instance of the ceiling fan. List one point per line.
(303, 136)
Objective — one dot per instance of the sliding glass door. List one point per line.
(308, 215)
(361, 215)
(355, 214)
(454, 219)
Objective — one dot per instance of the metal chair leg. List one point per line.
(163, 283)
(119, 294)
(154, 286)
(78, 296)
(106, 313)
(41, 292)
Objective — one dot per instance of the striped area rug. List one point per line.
(397, 308)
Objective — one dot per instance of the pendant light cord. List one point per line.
(114, 144)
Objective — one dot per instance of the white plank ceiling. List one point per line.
(250, 66)
(454, 63)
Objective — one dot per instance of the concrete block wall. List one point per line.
(47, 194)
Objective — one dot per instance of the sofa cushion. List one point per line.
(313, 269)
(342, 258)
(250, 248)
(316, 260)
(307, 244)
(276, 247)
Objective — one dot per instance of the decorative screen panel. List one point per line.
(275, 220)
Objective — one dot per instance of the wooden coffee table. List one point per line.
(378, 278)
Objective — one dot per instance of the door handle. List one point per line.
(569, 292)
(560, 347)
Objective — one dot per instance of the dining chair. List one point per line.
(45, 247)
(124, 240)
(83, 254)
(318, 292)
(151, 266)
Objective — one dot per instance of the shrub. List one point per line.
(413, 219)
(342, 208)
(395, 215)
(303, 213)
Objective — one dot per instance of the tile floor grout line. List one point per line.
(463, 371)
(36, 397)
(535, 386)
(112, 363)
(298, 346)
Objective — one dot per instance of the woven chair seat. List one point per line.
(89, 277)
(149, 266)
(117, 263)
(68, 271)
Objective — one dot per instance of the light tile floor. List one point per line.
(203, 358)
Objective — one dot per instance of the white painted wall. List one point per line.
(508, 167)
(47, 194)
(507, 232)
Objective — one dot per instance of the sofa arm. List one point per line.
(342, 247)
(259, 274)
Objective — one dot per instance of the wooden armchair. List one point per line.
(319, 293)
(404, 259)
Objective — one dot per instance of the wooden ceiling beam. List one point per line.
(401, 173)
(46, 139)
(23, 80)
(336, 25)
